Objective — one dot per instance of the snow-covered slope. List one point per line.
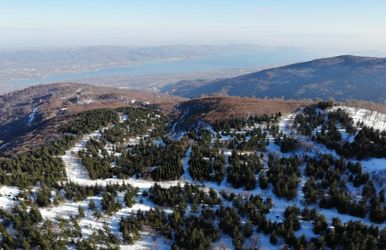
(77, 173)
(7, 196)
(150, 239)
(369, 118)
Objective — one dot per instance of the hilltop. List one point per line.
(31, 116)
(343, 78)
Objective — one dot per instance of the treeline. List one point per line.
(27, 231)
(178, 196)
(139, 121)
(201, 231)
(206, 163)
(130, 228)
(37, 166)
(186, 232)
(24, 228)
(242, 170)
(316, 115)
(42, 165)
(368, 142)
(284, 175)
(247, 217)
(239, 123)
(99, 162)
(251, 140)
(327, 187)
(144, 160)
(242, 222)
(74, 192)
(96, 159)
(286, 143)
(90, 121)
(152, 161)
(308, 120)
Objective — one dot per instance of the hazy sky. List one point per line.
(345, 25)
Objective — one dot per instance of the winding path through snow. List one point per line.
(77, 173)
(75, 170)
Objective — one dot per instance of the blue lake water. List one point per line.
(216, 62)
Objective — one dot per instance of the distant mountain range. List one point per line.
(343, 77)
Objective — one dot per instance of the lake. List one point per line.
(217, 62)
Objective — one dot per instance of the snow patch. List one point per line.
(32, 116)
(8, 196)
(86, 101)
(185, 164)
(374, 164)
(123, 118)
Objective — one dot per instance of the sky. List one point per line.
(356, 25)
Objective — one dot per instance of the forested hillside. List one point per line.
(117, 178)
(34, 114)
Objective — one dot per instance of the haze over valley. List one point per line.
(138, 67)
